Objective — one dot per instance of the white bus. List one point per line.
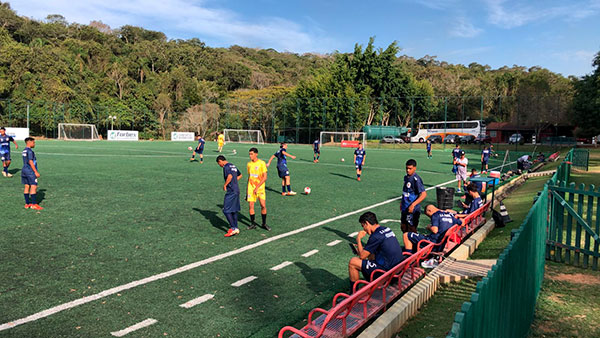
(426, 129)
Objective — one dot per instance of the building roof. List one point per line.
(505, 126)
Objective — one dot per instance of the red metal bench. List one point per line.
(554, 157)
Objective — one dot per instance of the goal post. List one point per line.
(243, 136)
(77, 131)
(336, 138)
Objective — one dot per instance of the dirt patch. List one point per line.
(575, 278)
(546, 326)
(555, 298)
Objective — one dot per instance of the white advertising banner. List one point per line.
(122, 135)
(17, 133)
(181, 136)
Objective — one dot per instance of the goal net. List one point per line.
(243, 136)
(76, 131)
(337, 138)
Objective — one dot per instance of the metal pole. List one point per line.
(445, 118)
(412, 110)
(28, 116)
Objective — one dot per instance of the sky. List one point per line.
(562, 36)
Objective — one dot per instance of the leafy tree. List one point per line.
(586, 102)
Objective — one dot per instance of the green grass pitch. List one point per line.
(119, 212)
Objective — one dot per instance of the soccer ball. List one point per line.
(343, 159)
(234, 151)
(495, 155)
(190, 148)
(307, 190)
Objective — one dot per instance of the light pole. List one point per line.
(112, 121)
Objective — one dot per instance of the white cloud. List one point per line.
(437, 4)
(579, 56)
(510, 16)
(186, 18)
(462, 28)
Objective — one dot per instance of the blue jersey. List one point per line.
(201, 143)
(5, 144)
(485, 154)
(428, 145)
(230, 169)
(456, 152)
(413, 187)
(443, 220)
(360, 155)
(384, 245)
(28, 155)
(281, 158)
(475, 204)
(316, 145)
(479, 185)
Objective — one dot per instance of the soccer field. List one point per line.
(133, 231)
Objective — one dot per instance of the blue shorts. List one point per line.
(317, 151)
(231, 203)
(199, 151)
(29, 180)
(415, 237)
(5, 156)
(283, 172)
(358, 166)
(409, 221)
(368, 267)
(485, 161)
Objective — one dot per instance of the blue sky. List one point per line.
(562, 36)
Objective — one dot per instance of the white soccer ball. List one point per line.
(190, 148)
(234, 151)
(343, 159)
(307, 190)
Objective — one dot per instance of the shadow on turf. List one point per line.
(13, 171)
(344, 176)
(319, 280)
(217, 219)
(40, 195)
(341, 234)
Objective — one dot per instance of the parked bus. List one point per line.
(426, 129)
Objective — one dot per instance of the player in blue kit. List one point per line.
(282, 169)
(5, 141)
(30, 175)
(428, 144)
(485, 157)
(441, 221)
(382, 250)
(360, 157)
(199, 150)
(316, 151)
(413, 193)
(231, 202)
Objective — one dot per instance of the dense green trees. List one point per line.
(586, 102)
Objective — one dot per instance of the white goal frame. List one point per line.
(63, 135)
(248, 136)
(343, 136)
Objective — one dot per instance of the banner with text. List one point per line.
(181, 136)
(17, 133)
(122, 135)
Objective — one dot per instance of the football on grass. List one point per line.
(343, 159)
(190, 148)
(307, 190)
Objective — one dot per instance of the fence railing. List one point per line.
(503, 304)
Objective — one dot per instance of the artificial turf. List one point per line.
(118, 212)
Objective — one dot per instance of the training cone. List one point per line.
(504, 214)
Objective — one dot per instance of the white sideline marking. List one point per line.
(130, 285)
(310, 253)
(196, 301)
(132, 328)
(390, 220)
(336, 242)
(281, 266)
(244, 281)
(353, 234)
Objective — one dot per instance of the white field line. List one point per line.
(196, 301)
(244, 281)
(163, 275)
(353, 234)
(310, 253)
(281, 266)
(336, 242)
(390, 220)
(132, 328)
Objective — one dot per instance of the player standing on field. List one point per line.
(29, 175)
(360, 157)
(199, 150)
(231, 202)
(316, 151)
(282, 169)
(220, 141)
(5, 151)
(429, 148)
(257, 176)
(413, 193)
(485, 157)
(461, 164)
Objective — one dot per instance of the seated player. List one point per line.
(199, 150)
(523, 163)
(316, 151)
(441, 221)
(381, 252)
(475, 202)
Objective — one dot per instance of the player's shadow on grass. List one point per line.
(273, 190)
(218, 220)
(319, 280)
(341, 234)
(305, 160)
(40, 194)
(342, 175)
(13, 171)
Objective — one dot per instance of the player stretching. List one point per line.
(5, 151)
(360, 157)
(231, 203)
(316, 151)
(29, 175)
(485, 156)
(220, 141)
(413, 193)
(282, 169)
(199, 150)
(257, 176)
(429, 148)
